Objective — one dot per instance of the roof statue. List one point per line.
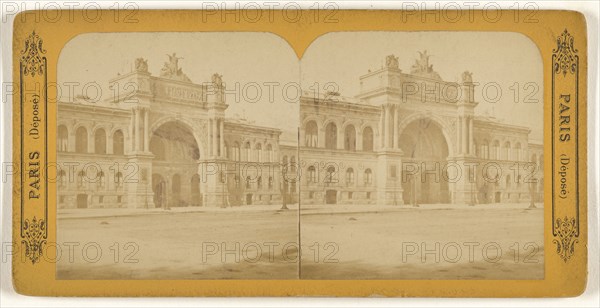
(172, 70)
(423, 68)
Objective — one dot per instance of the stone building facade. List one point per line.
(407, 138)
(413, 138)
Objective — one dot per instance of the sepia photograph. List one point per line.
(422, 156)
(173, 156)
(377, 155)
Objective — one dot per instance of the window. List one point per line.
(62, 141)
(350, 138)
(506, 151)
(258, 153)
(368, 195)
(61, 199)
(118, 179)
(331, 136)
(350, 176)
(259, 182)
(248, 184)
(246, 152)
(311, 195)
(100, 141)
(236, 151)
(119, 199)
(495, 153)
(61, 178)
(80, 178)
(293, 186)
(508, 184)
(350, 195)
(269, 156)
(100, 199)
(118, 143)
(100, 178)
(312, 174)
(331, 176)
(311, 135)
(485, 150)
(368, 139)
(270, 182)
(368, 177)
(81, 140)
(517, 152)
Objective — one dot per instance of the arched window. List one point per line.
(100, 178)
(368, 139)
(81, 140)
(349, 176)
(485, 150)
(118, 143)
(331, 175)
(259, 182)
(368, 177)
(236, 151)
(495, 153)
(81, 178)
(350, 138)
(331, 136)
(269, 156)
(246, 152)
(270, 182)
(517, 152)
(312, 174)
(100, 141)
(311, 134)
(119, 180)
(61, 178)
(506, 151)
(258, 153)
(62, 139)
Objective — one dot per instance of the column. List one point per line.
(210, 137)
(458, 135)
(471, 137)
(214, 123)
(146, 135)
(465, 132)
(381, 126)
(131, 137)
(388, 127)
(222, 139)
(136, 130)
(395, 132)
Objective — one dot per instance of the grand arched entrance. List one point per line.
(175, 179)
(426, 151)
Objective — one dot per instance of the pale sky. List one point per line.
(248, 59)
(501, 57)
(251, 59)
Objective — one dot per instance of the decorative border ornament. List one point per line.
(565, 54)
(31, 56)
(33, 107)
(566, 229)
(565, 104)
(34, 240)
